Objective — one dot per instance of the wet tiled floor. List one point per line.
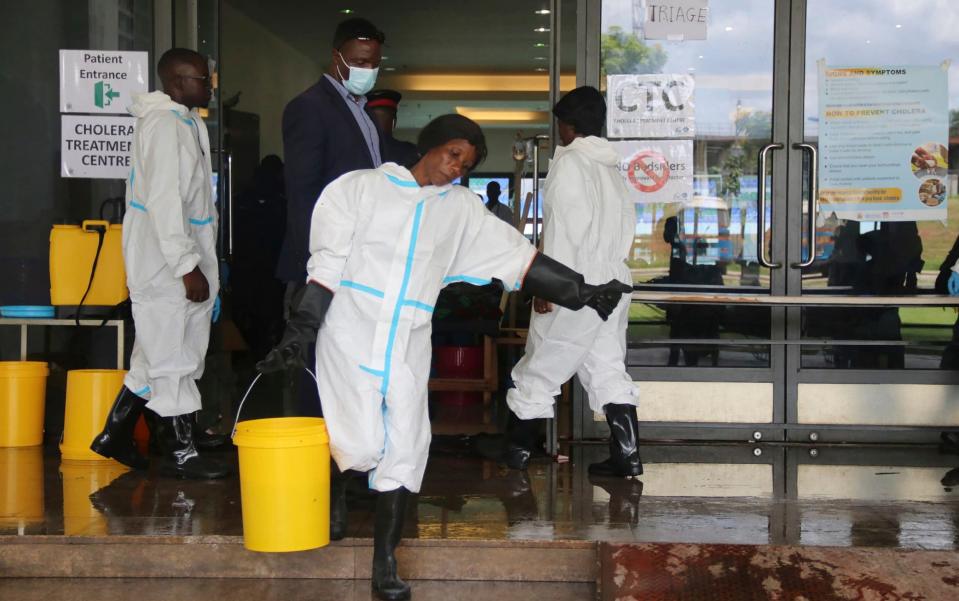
(711, 493)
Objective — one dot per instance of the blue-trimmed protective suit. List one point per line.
(386, 247)
(589, 223)
(169, 228)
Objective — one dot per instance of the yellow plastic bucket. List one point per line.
(80, 480)
(23, 389)
(284, 483)
(90, 395)
(21, 486)
(72, 250)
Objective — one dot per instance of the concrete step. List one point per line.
(225, 557)
(277, 589)
(51, 568)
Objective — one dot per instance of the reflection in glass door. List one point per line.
(877, 105)
(846, 334)
(710, 364)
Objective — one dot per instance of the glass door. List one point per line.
(695, 114)
(873, 109)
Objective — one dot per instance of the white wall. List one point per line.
(266, 69)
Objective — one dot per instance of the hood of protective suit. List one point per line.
(154, 101)
(595, 148)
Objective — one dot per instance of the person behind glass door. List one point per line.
(690, 321)
(892, 260)
(494, 206)
(948, 283)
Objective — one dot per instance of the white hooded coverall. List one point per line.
(588, 224)
(169, 228)
(386, 246)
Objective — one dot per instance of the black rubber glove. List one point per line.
(551, 280)
(301, 329)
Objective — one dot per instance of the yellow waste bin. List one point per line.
(23, 388)
(90, 395)
(284, 483)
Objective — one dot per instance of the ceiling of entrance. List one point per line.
(441, 55)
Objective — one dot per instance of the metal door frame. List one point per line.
(786, 230)
(584, 427)
(794, 375)
(166, 15)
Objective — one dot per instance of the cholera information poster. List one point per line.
(883, 142)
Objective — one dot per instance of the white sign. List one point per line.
(94, 146)
(650, 106)
(676, 19)
(101, 81)
(657, 170)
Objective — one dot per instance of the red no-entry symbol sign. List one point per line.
(654, 166)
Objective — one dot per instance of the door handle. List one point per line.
(813, 202)
(535, 140)
(229, 202)
(761, 253)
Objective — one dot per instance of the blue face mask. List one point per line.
(361, 79)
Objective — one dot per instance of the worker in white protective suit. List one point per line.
(383, 242)
(588, 224)
(169, 251)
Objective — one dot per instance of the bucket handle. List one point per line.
(236, 420)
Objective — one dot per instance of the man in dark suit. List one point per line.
(326, 133)
(383, 105)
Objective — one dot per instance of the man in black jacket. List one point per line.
(326, 133)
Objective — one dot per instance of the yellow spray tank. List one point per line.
(73, 252)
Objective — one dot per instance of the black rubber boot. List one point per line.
(208, 441)
(521, 439)
(338, 512)
(178, 454)
(624, 460)
(116, 440)
(387, 531)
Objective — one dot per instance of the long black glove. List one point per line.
(301, 329)
(551, 280)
